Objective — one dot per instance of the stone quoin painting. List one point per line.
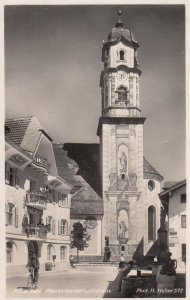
(95, 175)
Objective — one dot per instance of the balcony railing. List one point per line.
(42, 162)
(37, 199)
(36, 231)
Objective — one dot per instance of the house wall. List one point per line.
(15, 233)
(94, 247)
(177, 234)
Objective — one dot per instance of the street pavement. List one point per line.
(80, 282)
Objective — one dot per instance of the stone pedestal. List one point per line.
(164, 281)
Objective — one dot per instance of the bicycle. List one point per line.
(32, 280)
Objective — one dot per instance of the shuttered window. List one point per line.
(53, 226)
(11, 215)
(16, 217)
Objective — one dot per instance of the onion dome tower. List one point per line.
(120, 131)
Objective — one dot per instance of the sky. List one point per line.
(53, 65)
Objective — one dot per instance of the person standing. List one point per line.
(35, 264)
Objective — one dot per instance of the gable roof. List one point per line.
(149, 172)
(85, 200)
(17, 129)
(169, 184)
(86, 208)
(172, 188)
(25, 132)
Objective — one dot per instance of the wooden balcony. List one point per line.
(36, 199)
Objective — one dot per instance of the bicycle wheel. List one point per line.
(29, 282)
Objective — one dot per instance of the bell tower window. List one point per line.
(123, 176)
(122, 94)
(121, 55)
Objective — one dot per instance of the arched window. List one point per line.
(121, 55)
(9, 250)
(122, 93)
(122, 248)
(151, 223)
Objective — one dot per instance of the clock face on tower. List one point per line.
(121, 75)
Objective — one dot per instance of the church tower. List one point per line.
(125, 188)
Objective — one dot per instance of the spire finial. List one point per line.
(119, 21)
(119, 12)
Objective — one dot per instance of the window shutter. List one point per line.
(53, 226)
(59, 200)
(16, 217)
(59, 229)
(16, 179)
(15, 175)
(7, 174)
(6, 214)
(66, 228)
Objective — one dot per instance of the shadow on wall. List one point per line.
(144, 260)
(87, 158)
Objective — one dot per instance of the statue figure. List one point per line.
(123, 161)
(123, 230)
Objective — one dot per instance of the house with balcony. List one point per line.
(38, 199)
(173, 198)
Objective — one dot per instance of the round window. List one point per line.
(151, 185)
